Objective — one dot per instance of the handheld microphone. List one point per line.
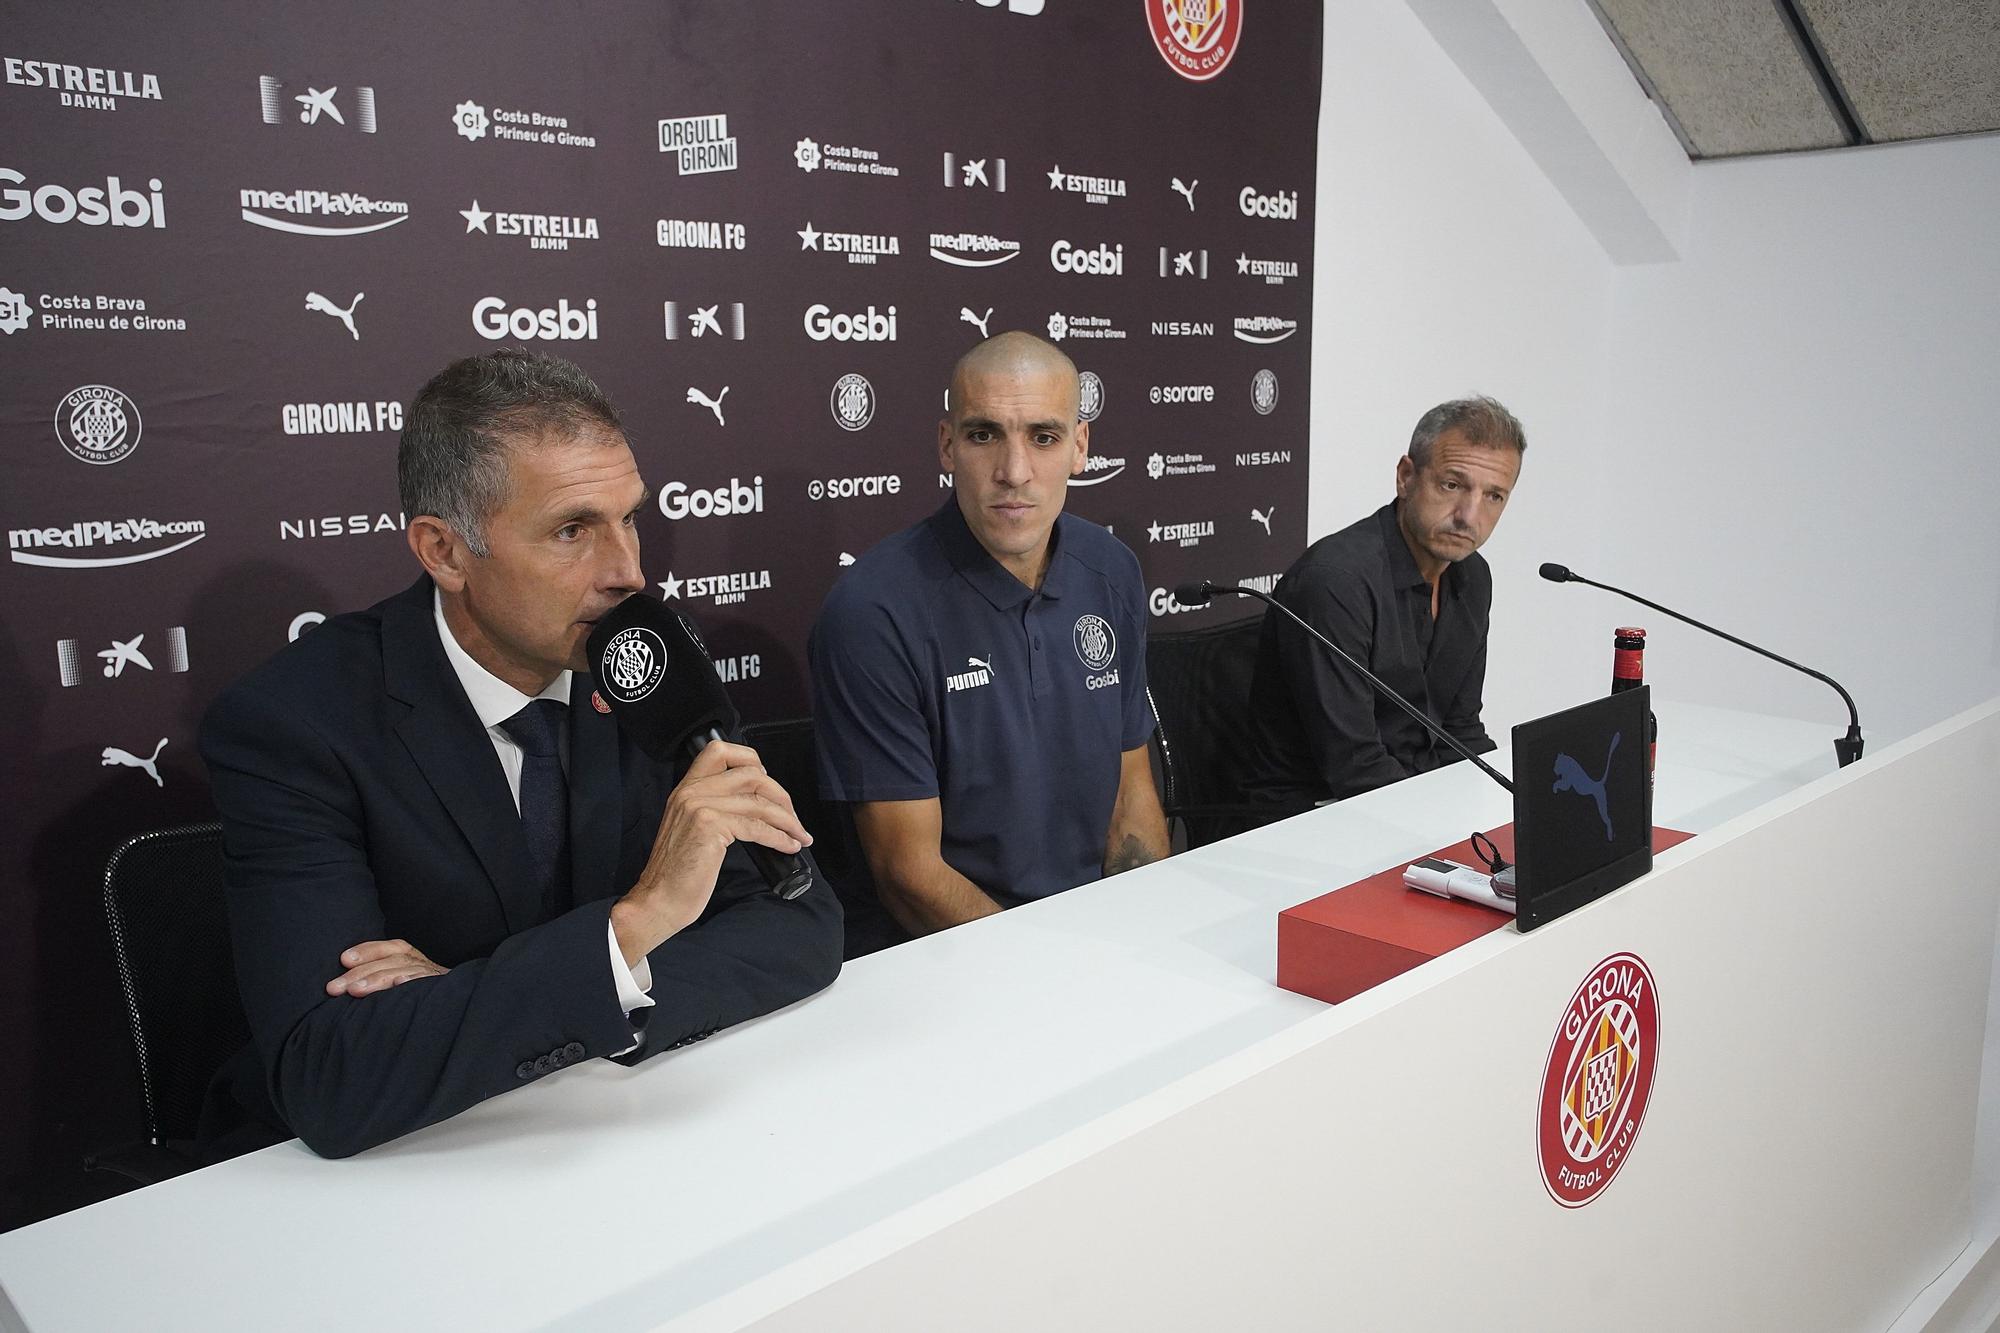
(1200, 593)
(654, 672)
(1846, 748)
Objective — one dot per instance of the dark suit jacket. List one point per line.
(362, 800)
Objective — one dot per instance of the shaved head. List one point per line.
(1014, 352)
(1011, 441)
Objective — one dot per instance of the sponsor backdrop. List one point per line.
(237, 241)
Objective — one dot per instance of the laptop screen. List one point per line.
(1582, 805)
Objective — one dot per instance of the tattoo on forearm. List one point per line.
(1129, 856)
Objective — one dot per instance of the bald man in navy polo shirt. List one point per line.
(979, 680)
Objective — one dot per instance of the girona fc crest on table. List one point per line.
(1598, 1078)
(1196, 37)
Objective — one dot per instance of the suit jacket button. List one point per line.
(526, 1069)
(543, 1064)
(574, 1050)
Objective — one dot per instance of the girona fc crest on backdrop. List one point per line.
(1196, 37)
(1598, 1078)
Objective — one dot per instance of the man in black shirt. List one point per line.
(1404, 592)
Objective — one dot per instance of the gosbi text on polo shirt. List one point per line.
(936, 673)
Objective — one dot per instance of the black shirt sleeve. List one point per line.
(1461, 716)
(1336, 706)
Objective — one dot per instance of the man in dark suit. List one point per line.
(448, 872)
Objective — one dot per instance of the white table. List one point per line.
(715, 1186)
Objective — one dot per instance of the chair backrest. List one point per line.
(163, 901)
(1199, 685)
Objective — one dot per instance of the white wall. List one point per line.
(1810, 439)
(1792, 430)
(1446, 263)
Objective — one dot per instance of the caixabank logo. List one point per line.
(1598, 1079)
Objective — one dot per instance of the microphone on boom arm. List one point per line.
(1846, 748)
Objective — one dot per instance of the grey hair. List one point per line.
(451, 460)
(1481, 420)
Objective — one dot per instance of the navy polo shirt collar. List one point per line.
(978, 567)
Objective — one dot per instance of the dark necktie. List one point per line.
(544, 799)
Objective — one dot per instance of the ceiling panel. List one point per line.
(1913, 68)
(1730, 72)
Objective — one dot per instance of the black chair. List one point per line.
(1198, 684)
(789, 756)
(163, 901)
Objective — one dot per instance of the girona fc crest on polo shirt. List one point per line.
(1598, 1079)
(1196, 37)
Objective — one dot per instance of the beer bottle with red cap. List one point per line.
(1628, 672)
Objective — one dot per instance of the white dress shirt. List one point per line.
(494, 700)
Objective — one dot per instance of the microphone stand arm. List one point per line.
(1846, 749)
(1450, 741)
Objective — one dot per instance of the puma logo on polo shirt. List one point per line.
(981, 674)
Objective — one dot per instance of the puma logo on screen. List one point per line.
(1570, 776)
